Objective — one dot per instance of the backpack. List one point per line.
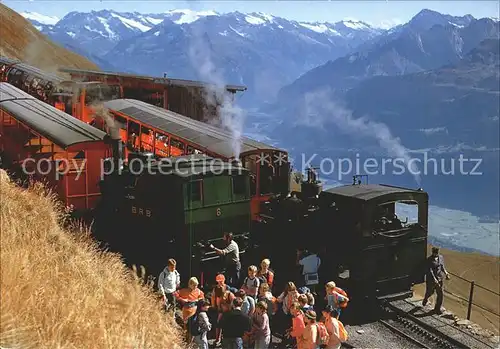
(343, 336)
(262, 279)
(323, 336)
(255, 281)
(343, 293)
(194, 325)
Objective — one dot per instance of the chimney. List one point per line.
(117, 150)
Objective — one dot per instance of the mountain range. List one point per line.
(260, 51)
(428, 41)
(413, 92)
(429, 85)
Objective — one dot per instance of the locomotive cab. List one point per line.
(369, 247)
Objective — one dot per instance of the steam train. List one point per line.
(150, 215)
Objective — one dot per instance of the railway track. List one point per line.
(419, 332)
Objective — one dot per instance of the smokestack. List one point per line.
(113, 137)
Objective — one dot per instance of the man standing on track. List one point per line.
(232, 261)
(434, 279)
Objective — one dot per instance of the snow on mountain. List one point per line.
(188, 16)
(39, 18)
(257, 49)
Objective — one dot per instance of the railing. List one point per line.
(470, 301)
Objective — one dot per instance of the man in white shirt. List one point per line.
(232, 260)
(310, 263)
(170, 280)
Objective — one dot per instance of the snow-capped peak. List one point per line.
(258, 18)
(185, 16)
(387, 23)
(42, 19)
(131, 23)
(353, 23)
(319, 27)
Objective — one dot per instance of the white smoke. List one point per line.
(320, 109)
(232, 117)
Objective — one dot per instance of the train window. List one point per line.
(395, 215)
(240, 186)
(146, 139)
(250, 163)
(161, 144)
(121, 121)
(194, 195)
(267, 177)
(101, 92)
(407, 212)
(192, 150)
(176, 147)
(133, 136)
(217, 190)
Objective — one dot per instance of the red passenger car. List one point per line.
(186, 97)
(50, 145)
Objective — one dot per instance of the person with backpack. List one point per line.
(267, 297)
(261, 332)
(335, 328)
(298, 325)
(169, 281)
(234, 325)
(304, 303)
(222, 300)
(199, 325)
(336, 297)
(189, 298)
(251, 283)
(248, 306)
(286, 299)
(315, 334)
(265, 274)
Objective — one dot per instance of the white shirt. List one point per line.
(232, 251)
(310, 263)
(169, 280)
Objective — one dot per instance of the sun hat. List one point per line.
(311, 314)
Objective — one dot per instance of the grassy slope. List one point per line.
(59, 291)
(485, 271)
(19, 39)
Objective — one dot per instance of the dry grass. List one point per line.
(58, 290)
(19, 39)
(485, 271)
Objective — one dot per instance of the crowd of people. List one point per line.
(247, 312)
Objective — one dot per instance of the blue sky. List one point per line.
(374, 12)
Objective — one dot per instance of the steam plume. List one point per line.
(100, 111)
(231, 116)
(321, 109)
